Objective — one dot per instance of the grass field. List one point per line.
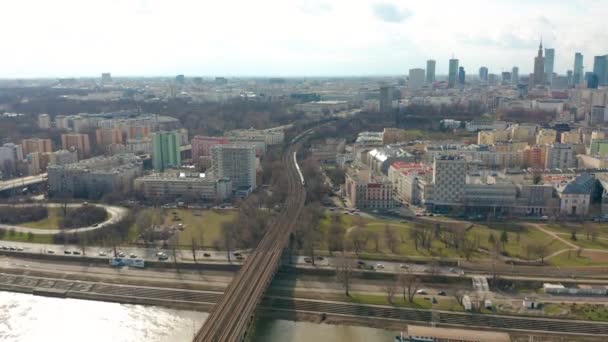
(23, 237)
(209, 222)
(420, 301)
(50, 222)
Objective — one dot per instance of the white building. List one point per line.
(235, 162)
(44, 121)
(449, 179)
(182, 185)
(560, 156)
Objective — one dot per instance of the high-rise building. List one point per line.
(10, 155)
(449, 179)
(461, 76)
(201, 145)
(549, 64)
(62, 122)
(515, 76)
(430, 71)
(600, 69)
(578, 68)
(416, 78)
(592, 80)
(44, 121)
(538, 78)
(78, 142)
(483, 74)
(506, 78)
(109, 136)
(63, 157)
(106, 77)
(236, 162)
(386, 98)
(36, 145)
(180, 78)
(166, 150)
(452, 73)
(560, 156)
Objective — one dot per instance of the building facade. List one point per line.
(166, 150)
(79, 142)
(236, 162)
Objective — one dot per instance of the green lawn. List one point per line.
(50, 222)
(443, 303)
(592, 312)
(23, 237)
(571, 259)
(209, 221)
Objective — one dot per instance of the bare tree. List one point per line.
(390, 291)
(409, 283)
(359, 239)
(193, 247)
(83, 240)
(390, 238)
(542, 250)
(344, 269)
(375, 237)
(335, 240)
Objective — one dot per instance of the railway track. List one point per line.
(234, 312)
(129, 293)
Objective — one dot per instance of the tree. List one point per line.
(143, 222)
(390, 238)
(193, 247)
(375, 237)
(344, 268)
(540, 250)
(227, 238)
(409, 284)
(491, 239)
(30, 236)
(336, 235)
(504, 238)
(83, 240)
(573, 235)
(359, 239)
(390, 292)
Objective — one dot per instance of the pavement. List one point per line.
(116, 214)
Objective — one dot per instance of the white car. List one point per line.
(421, 292)
(102, 253)
(380, 266)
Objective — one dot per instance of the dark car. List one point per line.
(308, 260)
(441, 293)
(206, 255)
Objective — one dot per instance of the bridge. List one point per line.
(22, 182)
(234, 313)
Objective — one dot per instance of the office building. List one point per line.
(44, 121)
(578, 74)
(166, 150)
(36, 145)
(506, 78)
(183, 185)
(79, 142)
(538, 78)
(62, 122)
(549, 64)
(10, 155)
(461, 76)
(271, 136)
(449, 179)
(201, 145)
(483, 74)
(430, 71)
(236, 162)
(416, 78)
(93, 178)
(600, 69)
(180, 79)
(598, 115)
(452, 72)
(386, 98)
(515, 76)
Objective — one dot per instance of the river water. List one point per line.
(26, 318)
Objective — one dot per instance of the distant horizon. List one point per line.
(292, 38)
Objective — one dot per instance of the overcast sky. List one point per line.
(60, 38)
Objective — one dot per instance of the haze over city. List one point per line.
(70, 38)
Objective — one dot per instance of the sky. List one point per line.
(74, 38)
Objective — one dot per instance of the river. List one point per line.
(26, 318)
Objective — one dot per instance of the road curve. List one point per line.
(116, 214)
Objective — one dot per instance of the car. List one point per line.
(20, 249)
(95, 225)
(404, 266)
(67, 252)
(121, 254)
(441, 293)
(421, 292)
(360, 263)
(206, 255)
(162, 256)
(380, 266)
(76, 252)
(319, 258)
(12, 248)
(308, 260)
(50, 251)
(132, 256)
(4, 248)
(237, 254)
(240, 257)
(102, 253)
(452, 269)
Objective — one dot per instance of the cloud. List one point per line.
(504, 40)
(314, 8)
(390, 13)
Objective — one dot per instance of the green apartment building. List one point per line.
(166, 150)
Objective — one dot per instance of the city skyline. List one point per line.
(290, 38)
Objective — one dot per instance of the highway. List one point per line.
(22, 182)
(232, 315)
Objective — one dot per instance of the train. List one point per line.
(295, 161)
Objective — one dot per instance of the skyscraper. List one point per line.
(416, 78)
(78, 142)
(236, 162)
(515, 76)
(386, 98)
(578, 68)
(600, 69)
(452, 73)
(430, 71)
(483, 74)
(44, 121)
(506, 78)
(461, 76)
(449, 177)
(166, 150)
(549, 63)
(538, 77)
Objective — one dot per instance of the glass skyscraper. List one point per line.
(453, 73)
(430, 71)
(578, 68)
(549, 63)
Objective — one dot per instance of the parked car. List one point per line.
(308, 260)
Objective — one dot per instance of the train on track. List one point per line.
(295, 161)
